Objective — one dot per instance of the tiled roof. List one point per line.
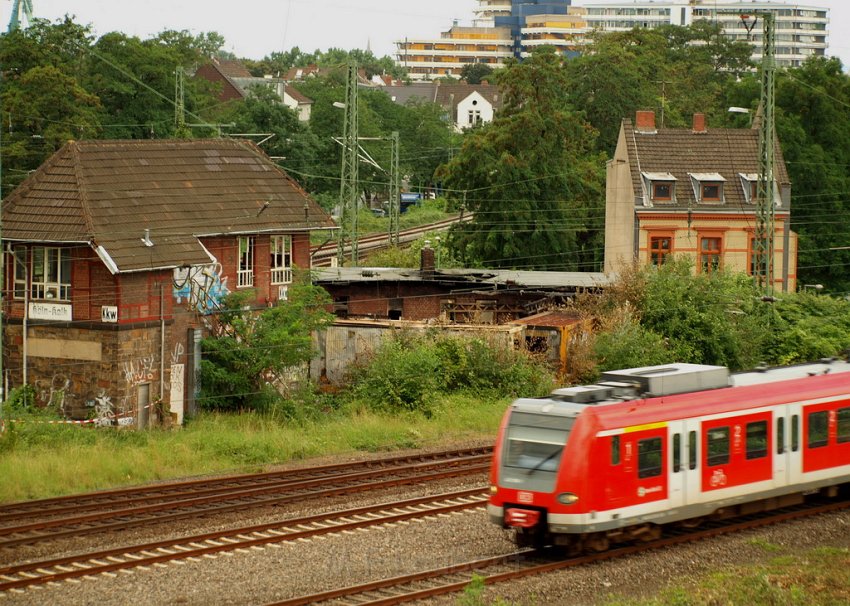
(688, 155)
(449, 95)
(232, 68)
(446, 95)
(107, 193)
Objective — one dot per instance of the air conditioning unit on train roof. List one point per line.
(669, 379)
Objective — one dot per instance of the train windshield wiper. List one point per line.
(551, 456)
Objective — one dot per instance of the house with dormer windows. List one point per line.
(117, 253)
(692, 191)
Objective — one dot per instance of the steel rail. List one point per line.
(139, 516)
(178, 490)
(322, 255)
(17, 577)
(452, 579)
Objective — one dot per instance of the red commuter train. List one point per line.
(589, 466)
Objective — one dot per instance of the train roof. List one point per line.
(632, 404)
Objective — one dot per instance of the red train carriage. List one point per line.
(589, 465)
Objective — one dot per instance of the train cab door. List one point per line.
(678, 485)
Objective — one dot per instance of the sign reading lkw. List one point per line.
(109, 313)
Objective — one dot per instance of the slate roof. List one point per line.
(446, 95)
(683, 153)
(106, 193)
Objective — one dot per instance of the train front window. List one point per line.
(535, 442)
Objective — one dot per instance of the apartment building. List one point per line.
(801, 30)
(514, 28)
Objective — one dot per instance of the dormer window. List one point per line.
(662, 191)
(749, 184)
(708, 187)
(661, 187)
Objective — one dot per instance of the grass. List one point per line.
(38, 461)
(816, 578)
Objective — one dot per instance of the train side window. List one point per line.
(817, 433)
(757, 440)
(692, 450)
(649, 457)
(615, 450)
(718, 446)
(677, 452)
(843, 425)
(795, 433)
(780, 435)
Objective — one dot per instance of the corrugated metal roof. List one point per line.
(108, 192)
(490, 277)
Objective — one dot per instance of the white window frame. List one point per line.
(281, 259)
(245, 272)
(53, 284)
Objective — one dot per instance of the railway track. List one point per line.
(106, 562)
(77, 515)
(525, 563)
(325, 254)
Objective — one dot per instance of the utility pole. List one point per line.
(765, 206)
(395, 191)
(348, 189)
(179, 102)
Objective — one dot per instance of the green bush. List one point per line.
(408, 370)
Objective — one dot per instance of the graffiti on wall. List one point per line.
(140, 371)
(201, 287)
(55, 392)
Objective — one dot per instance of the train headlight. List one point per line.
(567, 498)
(494, 489)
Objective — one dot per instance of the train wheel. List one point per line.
(597, 542)
(526, 537)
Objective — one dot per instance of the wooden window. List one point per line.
(245, 273)
(649, 458)
(660, 248)
(281, 259)
(709, 253)
(817, 435)
(757, 440)
(711, 192)
(662, 191)
(718, 446)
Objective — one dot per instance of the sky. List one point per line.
(254, 29)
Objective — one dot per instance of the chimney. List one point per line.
(699, 123)
(645, 121)
(427, 261)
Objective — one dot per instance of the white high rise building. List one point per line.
(801, 30)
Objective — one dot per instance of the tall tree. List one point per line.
(531, 177)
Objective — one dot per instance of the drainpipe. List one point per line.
(161, 345)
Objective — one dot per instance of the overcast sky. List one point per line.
(256, 28)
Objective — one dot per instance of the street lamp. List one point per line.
(815, 287)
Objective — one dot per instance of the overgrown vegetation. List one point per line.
(656, 315)
(249, 357)
(816, 578)
(409, 370)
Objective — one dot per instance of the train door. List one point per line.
(793, 442)
(684, 456)
(691, 461)
(781, 446)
